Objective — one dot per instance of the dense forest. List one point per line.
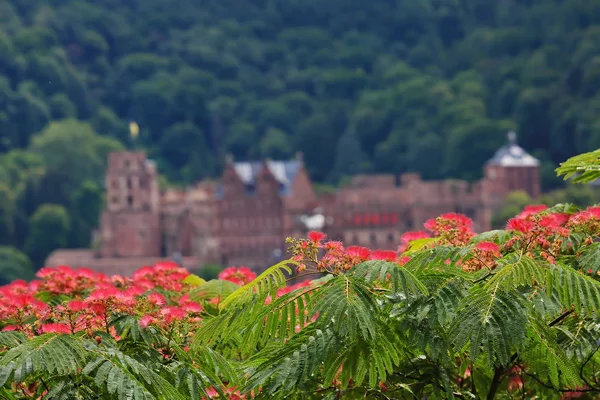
(429, 86)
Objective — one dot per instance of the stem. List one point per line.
(498, 373)
(44, 383)
(557, 320)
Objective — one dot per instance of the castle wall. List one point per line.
(130, 234)
(245, 219)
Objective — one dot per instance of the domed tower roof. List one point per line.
(513, 155)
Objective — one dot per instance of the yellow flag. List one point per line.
(134, 129)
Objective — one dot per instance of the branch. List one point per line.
(557, 320)
(498, 375)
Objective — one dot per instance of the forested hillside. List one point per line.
(408, 85)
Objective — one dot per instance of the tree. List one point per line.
(72, 153)
(14, 265)
(349, 159)
(185, 148)
(87, 204)
(275, 144)
(49, 228)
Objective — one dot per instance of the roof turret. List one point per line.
(513, 155)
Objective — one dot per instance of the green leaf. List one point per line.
(564, 208)
(492, 321)
(583, 168)
(212, 289)
(266, 284)
(590, 258)
(496, 236)
(419, 244)
(379, 270)
(194, 280)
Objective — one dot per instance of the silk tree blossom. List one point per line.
(451, 228)
(240, 276)
(316, 237)
(384, 255)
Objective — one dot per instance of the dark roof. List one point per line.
(513, 155)
(284, 171)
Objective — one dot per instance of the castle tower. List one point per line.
(130, 226)
(512, 169)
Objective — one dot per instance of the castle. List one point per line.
(245, 218)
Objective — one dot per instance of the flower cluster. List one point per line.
(484, 255)
(451, 228)
(539, 231)
(239, 276)
(162, 298)
(92, 298)
(314, 255)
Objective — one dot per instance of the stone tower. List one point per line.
(511, 169)
(130, 225)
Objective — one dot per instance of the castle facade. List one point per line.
(245, 218)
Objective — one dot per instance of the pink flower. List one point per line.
(316, 237)
(519, 225)
(402, 260)
(103, 294)
(56, 328)
(532, 210)
(361, 253)
(146, 321)
(191, 307)
(157, 299)
(408, 237)
(173, 314)
(594, 211)
(10, 328)
(385, 255)
(77, 305)
(334, 245)
(488, 247)
(554, 220)
(240, 276)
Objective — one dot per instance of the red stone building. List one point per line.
(245, 218)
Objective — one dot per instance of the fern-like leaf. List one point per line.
(122, 376)
(515, 271)
(575, 289)
(401, 278)
(50, 353)
(491, 320)
(348, 304)
(583, 168)
(265, 285)
(215, 288)
(544, 355)
(294, 363)
(590, 258)
(439, 258)
(241, 309)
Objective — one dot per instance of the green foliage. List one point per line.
(49, 229)
(582, 168)
(14, 265)
(414, 86)
(418, 86)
